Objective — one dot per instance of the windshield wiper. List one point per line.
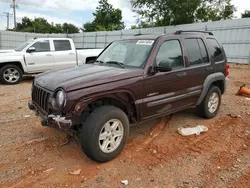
(116, 63)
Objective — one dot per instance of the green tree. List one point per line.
(89, 26)
(246, 14)
(142, 24)
(56, 28)
(106, 18)
(41, 25)
(70, 28)
(215, 10)
(26, 23)
(174, 12)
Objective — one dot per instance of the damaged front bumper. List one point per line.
(52, 120)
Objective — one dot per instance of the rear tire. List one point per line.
(210, 104)
(10, 74)
(100, 138)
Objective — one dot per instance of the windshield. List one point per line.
(22, 46)
(127, 53)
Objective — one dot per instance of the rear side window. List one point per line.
(62, 45)
(171, 51)
(42, 46)
(203, 49)
(216, 50)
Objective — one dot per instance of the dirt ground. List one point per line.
(155, 156)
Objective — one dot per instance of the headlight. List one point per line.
(60, 98)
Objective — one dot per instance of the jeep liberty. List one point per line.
(131, 81)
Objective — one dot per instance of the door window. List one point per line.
(62, 45)
(193, 50)
(42, 46)
(170, 51)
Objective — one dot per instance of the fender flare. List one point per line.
(21, 64)
(111, 94)
(219, 76)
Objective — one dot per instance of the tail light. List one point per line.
(227, 70)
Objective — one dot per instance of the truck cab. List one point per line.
(40, 55)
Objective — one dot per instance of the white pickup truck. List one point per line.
(42, 54)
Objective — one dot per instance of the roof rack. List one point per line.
(140, 34)
(191, 31)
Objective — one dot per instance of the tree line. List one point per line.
(41, 25)
(151, 13)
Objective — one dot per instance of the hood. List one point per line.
(10, 56)
(83, 76)
(7, 51)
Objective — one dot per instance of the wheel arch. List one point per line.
(217, 79)
(123, 100)
(17, 63)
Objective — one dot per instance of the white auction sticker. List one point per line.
(145, 42)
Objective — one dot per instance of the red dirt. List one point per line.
(155, 156)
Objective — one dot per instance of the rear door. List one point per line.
(199, 64)
(42, 59)
(167, 91)
(64, 54)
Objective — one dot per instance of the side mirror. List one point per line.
(164, 66)
(90, 61)
(31, 49)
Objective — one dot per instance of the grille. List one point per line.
(40, 97)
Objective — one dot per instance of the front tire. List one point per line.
(211, 103)
(105, 133)
(10, 74)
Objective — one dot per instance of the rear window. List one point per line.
(215, 49)
(62, 45)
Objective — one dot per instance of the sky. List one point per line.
(77, 11)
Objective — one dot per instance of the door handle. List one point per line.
(181, 74)
(48, 54)
(71, 53)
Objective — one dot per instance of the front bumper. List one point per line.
(52, 120)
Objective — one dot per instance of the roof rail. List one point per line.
(140, 34)
(192, 31)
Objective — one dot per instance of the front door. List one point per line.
(42, 59)
(166, 91)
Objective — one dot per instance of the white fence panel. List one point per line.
(233, 34)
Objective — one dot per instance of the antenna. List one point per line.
(8, 19)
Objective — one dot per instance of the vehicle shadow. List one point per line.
(27, 79)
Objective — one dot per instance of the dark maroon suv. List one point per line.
(131, 81)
